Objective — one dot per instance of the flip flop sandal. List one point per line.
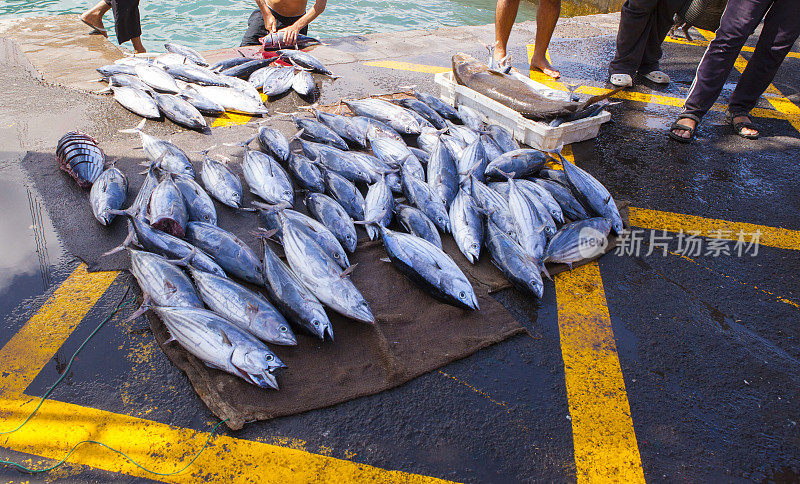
(96, 29)
(621, 80)
(738, 127)
(672, 134)
(658, 77)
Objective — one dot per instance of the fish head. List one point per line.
(461, 290)
(259, 366)
(320, 325)
(350, 242)
(285, 336)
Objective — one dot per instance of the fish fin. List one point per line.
(146, 303)
(225, 338)
(170, 287)
(348, 271)
(129, 239)
(265, 234)
(598, 98)
(105, 89)
(135, 130)
(278, 207)
(170, 339)
(251, 310)
(386, 259)
(186, 261)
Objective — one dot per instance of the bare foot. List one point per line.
(684, 133)
(745, 131)
(94, 20)
(544, 66)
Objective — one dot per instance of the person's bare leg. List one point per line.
(94, 16)
(504, 16)
(546, 18)
(137, 45)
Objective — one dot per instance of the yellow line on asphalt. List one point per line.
(710, 35)
(709, 227)
(408, 66)
(24, 356)
(602, 429)
(164, 448)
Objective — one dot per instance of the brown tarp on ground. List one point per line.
(414, 334)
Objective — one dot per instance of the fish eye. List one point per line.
(335, 256)
(283, 329)
(269, 357)
(462, 295)
(315, 322)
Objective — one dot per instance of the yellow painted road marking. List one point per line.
(164, 448)
(700, 43)
(24, 356)
(602, 429)
(408, 66)
(709, 227)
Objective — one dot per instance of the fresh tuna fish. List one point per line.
(518, 267)
(244, 69)
(423, 197)
(199, 206)
(531, 229)
(195, 74)
(162, 281)
(570, 206)
(228, 63)
(274, 143)
(234, 100)
(244, 88)
(221, 182)
(445, 110)
(114, 69)
(305, 60)
(328, 212)
(417, 223)
(266, 178)
(472, 162)
(519, 163)
(423, 110)
(156, 77)
(305, 172)
(274, 218)
(304, 85)
(592, 194)
(166, 245)
(170, 59)
(257, 78)
(180, 111)
(163, 154)
(345, 193)
(379, 208)
(373, 166)
(372, 128)
(278, 82)
(141, 203)
(504, 139)
(394, 153)
(430, 268)
(187, 52)
(323, 276)
(79, 156)
(293, 298)
(557, 176)
(313, 130)
(393, 115)
(534, 192)
(109, 192)
(344, 127)
(203, 104)
(334, 159)
(471, 118)
(490, 147)
(246, 309)
(233, 255)
(443, 175)
(494, 206)
(136, 101)
(578, 241)
(222, 345)
(127, 80)
(467, 224)
(167, 210)
(274, 41)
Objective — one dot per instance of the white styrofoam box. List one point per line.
(532, 133)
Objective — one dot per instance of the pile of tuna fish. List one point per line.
(181, 86)
(459, 176)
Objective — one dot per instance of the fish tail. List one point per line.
(598, 98)
(136, 129)
(129, 239)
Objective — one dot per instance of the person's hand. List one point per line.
(269, 23)
(290, 34)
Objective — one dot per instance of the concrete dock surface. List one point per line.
(663, 362)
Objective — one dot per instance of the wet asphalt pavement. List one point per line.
(709, 346)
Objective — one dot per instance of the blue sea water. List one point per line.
(214, 24)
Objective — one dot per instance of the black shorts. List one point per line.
(126, 19)
(256, 29)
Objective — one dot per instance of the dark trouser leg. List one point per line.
(662, 20)
(255, 29)
(635, 23)
(780, 32)
(740, 19)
